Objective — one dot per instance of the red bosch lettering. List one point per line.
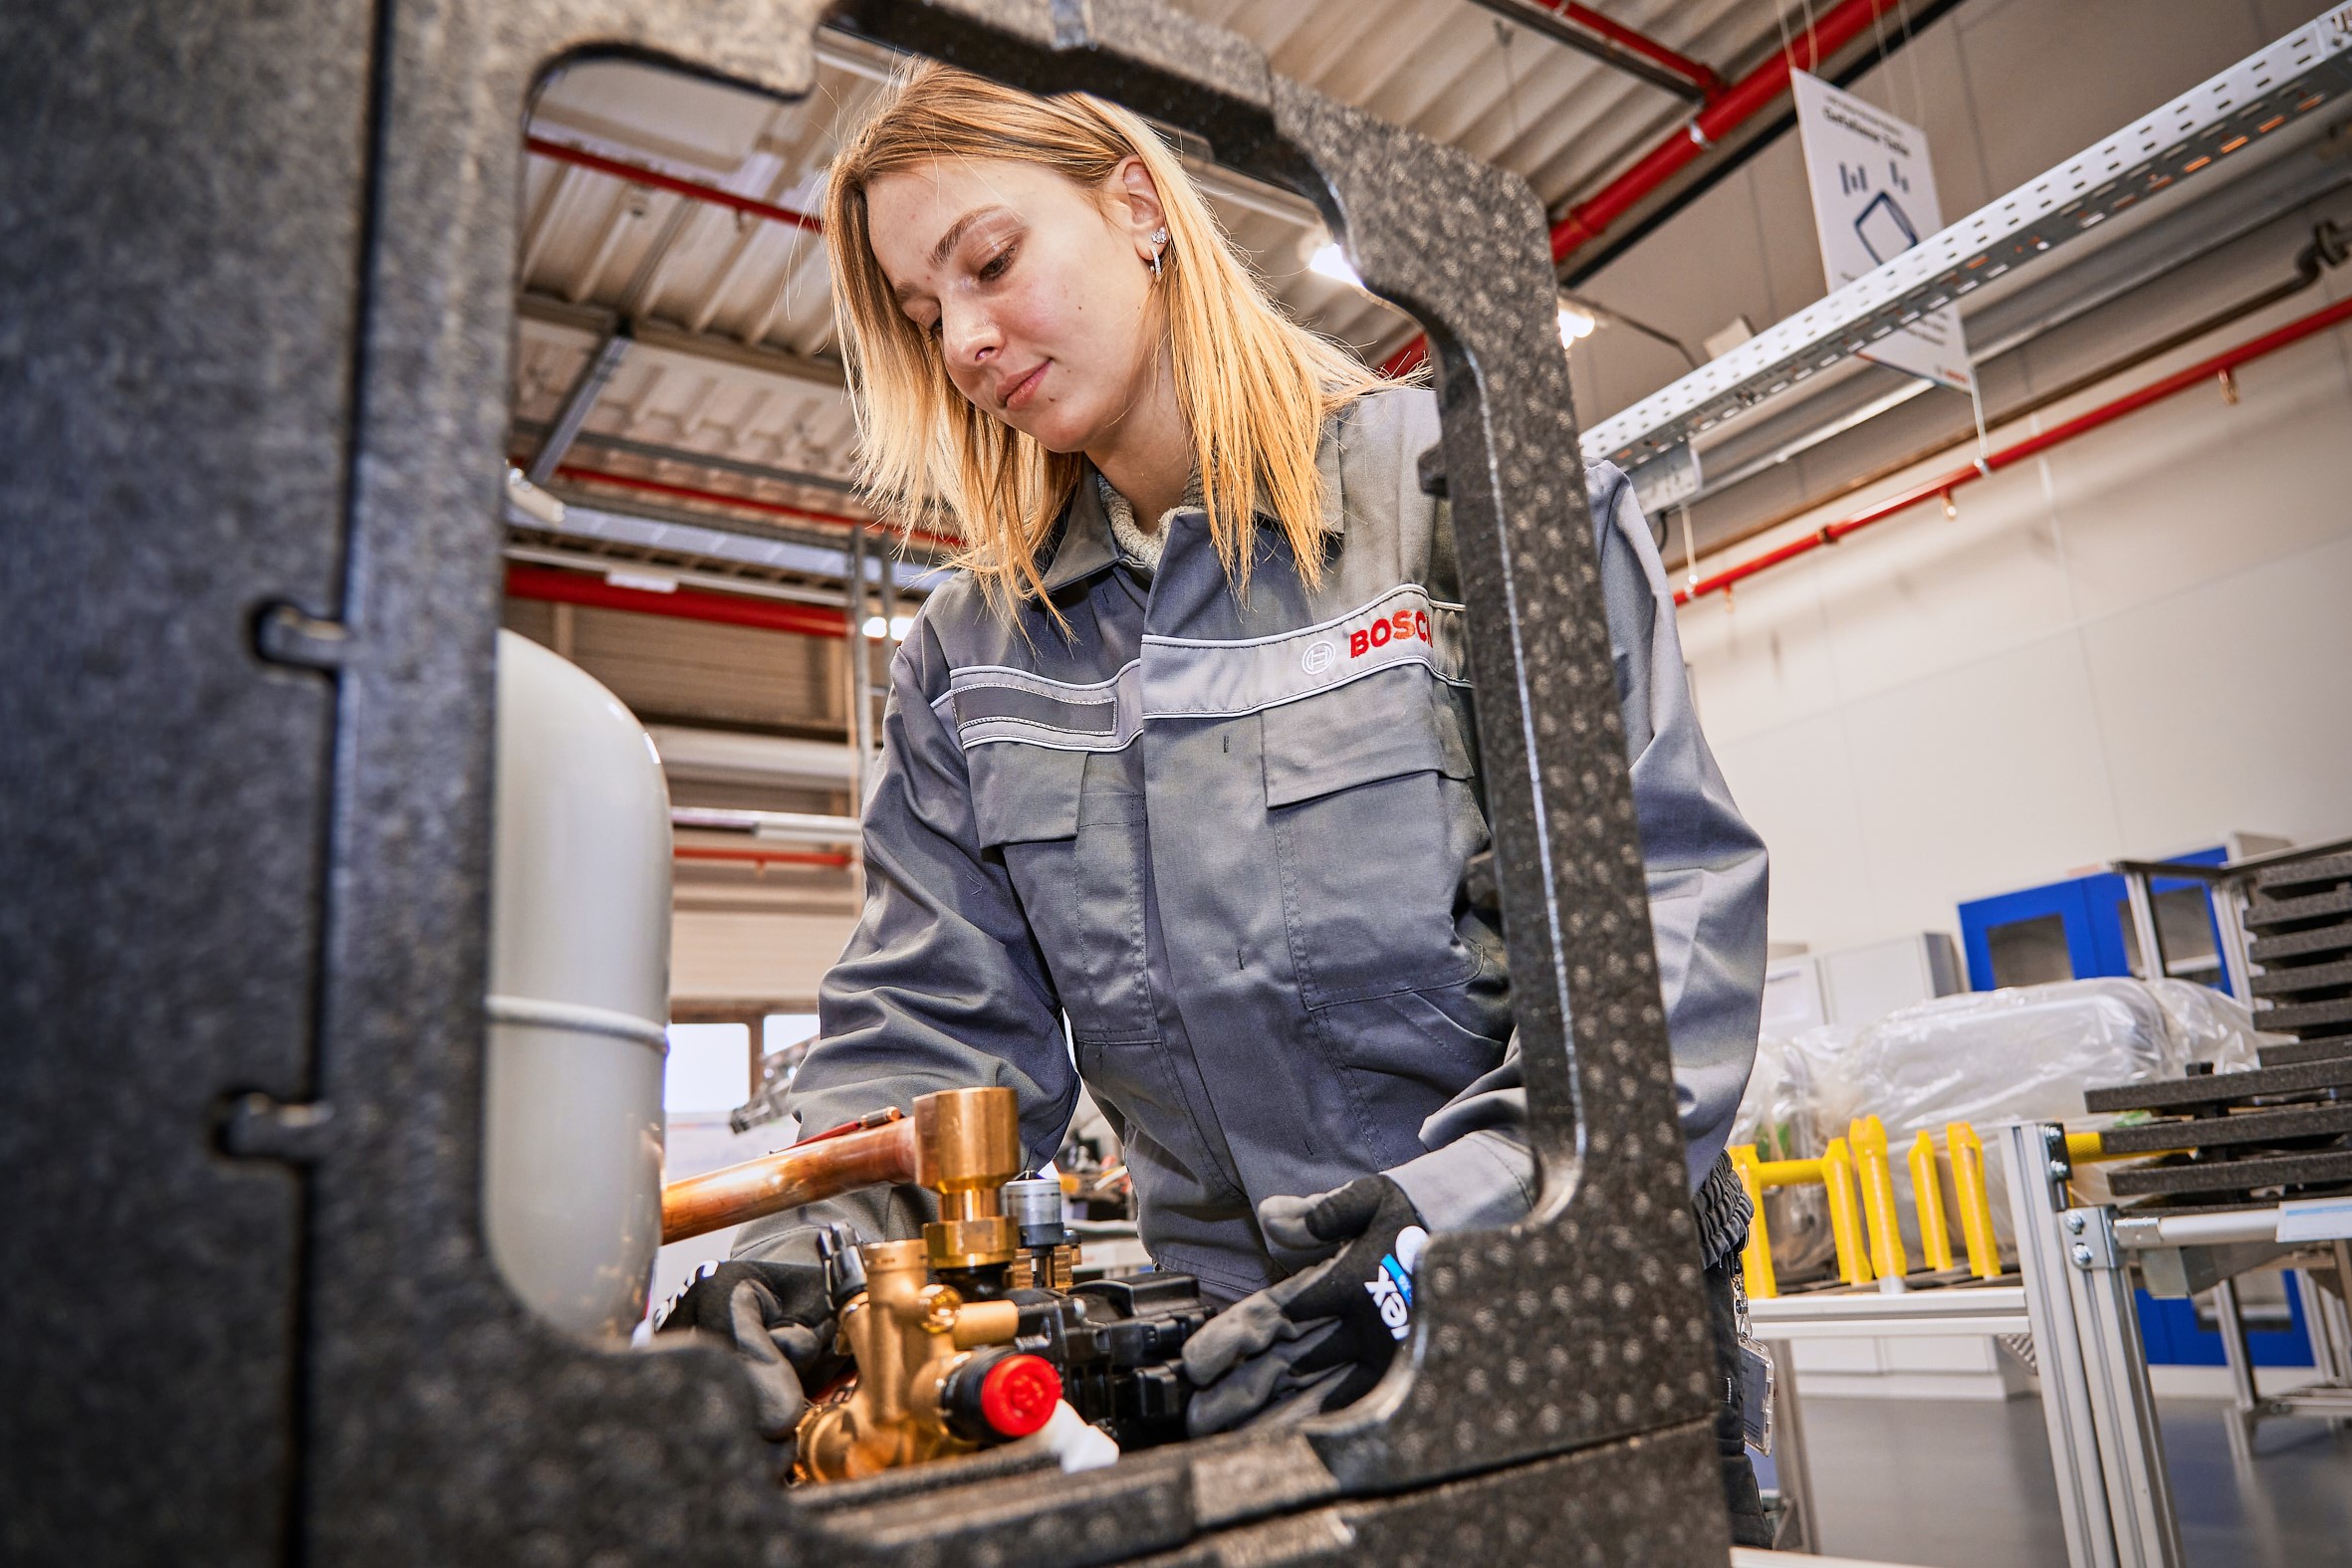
(1406, 625)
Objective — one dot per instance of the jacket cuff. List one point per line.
(1723, 1212)
(1476, 1183)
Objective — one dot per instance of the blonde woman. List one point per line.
(1184, 755)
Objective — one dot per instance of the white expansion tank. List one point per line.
(579, 921)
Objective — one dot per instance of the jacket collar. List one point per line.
(1083, 545)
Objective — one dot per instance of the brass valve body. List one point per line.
(966, 1146)
(908, 1335)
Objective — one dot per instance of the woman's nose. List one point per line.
(972, 340)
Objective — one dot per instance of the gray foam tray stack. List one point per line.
(2299, 916)
(2233, 1137)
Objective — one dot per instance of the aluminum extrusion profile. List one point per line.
(2267, 90)
(383, 1397)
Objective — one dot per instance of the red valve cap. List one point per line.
(1019, 1394)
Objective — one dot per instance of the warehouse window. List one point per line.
(709, 1067)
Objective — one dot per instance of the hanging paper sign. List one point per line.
(1874, 198)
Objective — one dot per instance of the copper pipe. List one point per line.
(803, 1174)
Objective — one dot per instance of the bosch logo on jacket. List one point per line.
(1404, 625)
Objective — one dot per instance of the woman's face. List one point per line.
(1036, 289)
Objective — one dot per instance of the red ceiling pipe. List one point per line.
(659, 487)
(1743, 101)
(762, 857)
(1942, 485)
(638, 173)
(1697, 73)
(556, 587)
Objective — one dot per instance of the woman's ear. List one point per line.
(1136, 204)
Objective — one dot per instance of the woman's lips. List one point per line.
(1022, 391)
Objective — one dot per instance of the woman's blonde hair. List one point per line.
(1255, 386)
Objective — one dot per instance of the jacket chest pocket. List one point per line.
(1367, 794)
(1070, 827)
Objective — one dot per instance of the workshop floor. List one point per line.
(1952, 1485)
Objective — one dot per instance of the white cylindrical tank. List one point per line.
(579, 921)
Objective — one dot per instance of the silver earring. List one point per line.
(1159, 243)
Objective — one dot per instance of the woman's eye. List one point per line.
(994, 267)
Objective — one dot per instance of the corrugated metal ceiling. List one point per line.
(742, 372)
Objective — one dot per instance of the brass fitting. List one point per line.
(921, 1392)
(912, 1339)
(966, 1147)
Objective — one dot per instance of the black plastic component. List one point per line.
(845, 1268)
(1119, 1344)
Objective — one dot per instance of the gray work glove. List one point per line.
(1322, 1338)
(777, 1318)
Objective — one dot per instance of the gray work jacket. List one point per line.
(1224, 839)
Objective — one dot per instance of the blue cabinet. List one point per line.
(2081, 928)
(2179, 1334)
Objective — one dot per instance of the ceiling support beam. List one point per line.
(554, 586)
(657, 486)
(1588, 220)
(595, 374)
(1723, 115)
(654, 452)
(1613, 43)
(654, 337)
(693, 191)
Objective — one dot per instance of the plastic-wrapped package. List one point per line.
(1988, 1056)
(1777, 1115)
(2030, 1051)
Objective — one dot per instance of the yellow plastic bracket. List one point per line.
(1976, 1208)
(1927, 1197)
(1868, 1136)
(1755, 1259)
(1845, 1220)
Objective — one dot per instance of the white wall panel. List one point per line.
(1932, 593)
(1796, 785)
(2195, 489)
(2232, 706)
(1768, 657)
(754, 956)
(1978, 779)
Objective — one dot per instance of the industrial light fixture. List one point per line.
(1574, 322)
(530, 506)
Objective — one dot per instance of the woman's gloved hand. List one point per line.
(777, 1318)
(1322, 1338)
